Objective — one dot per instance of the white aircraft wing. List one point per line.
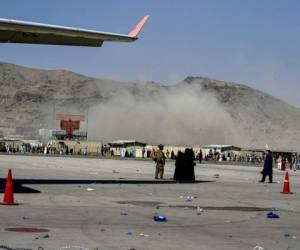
(14, 31)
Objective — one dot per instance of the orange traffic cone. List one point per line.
(286, 184)
(9, 191)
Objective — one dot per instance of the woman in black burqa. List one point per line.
(184, 166)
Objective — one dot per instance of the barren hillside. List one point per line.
(194, 111)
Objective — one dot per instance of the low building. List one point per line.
(77, 147)
(128, 148)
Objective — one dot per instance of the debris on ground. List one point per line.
(123, 213)
(160, 218)
(144, 235)
(115, 172)
(90, 189)
(188, 198)
(258, 248)
(295, 237)
(129, 233)
(272, 215)
(46, 236)
(216, 175)
(199, 210)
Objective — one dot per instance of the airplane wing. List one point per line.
(14, 31)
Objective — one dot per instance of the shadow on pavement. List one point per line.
(106, 181)
(19, 188)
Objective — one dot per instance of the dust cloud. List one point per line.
(174, 115)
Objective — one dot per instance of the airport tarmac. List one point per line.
(109, 204)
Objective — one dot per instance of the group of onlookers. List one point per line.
(292, 162)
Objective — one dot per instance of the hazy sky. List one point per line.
(255, 42)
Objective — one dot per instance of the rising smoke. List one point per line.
(177, 115)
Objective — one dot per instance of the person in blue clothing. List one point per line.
(268, 168)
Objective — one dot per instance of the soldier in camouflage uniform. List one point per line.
(159, 158)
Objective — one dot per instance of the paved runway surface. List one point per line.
(118, 211)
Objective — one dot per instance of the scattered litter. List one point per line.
(46, 236)
(275, 209)
(258, 248)
(278, 182)
(217, 176)
(272, 215)
(129, 233)
(157, 207)
(122, 213)
(199, 210)
(90, 189)
(287, 235)
(295, 237)
(189, 198)
(115, 172)
(160, 218)
(102, 230)
(144, 235)
(230, 236)
(25, 218)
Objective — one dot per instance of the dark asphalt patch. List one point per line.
(141, 203)
(26, 230)
(233, 208)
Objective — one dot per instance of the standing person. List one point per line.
(160, 160)
(283, 164)
(295, 161)
(167, 153)
(200, 156)
(179, 167)
(268, 167)
(172, 155)
(189, 157)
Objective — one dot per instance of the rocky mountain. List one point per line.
(195, 111)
